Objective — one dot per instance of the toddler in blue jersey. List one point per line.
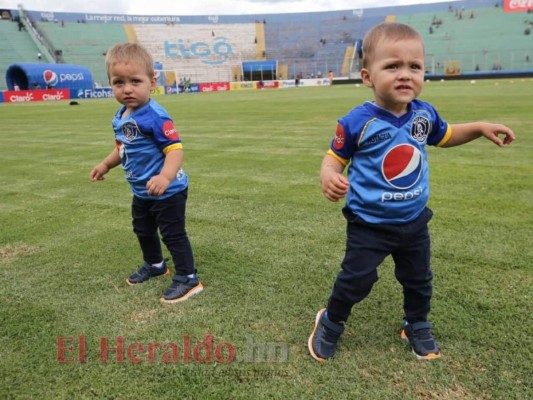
(382, 145)
(150, 150)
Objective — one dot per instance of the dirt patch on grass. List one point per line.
(144, 316)
(8, 252)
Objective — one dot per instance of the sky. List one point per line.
(201, 7)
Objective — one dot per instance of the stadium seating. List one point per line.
(318, 42)
(490, 40)
(84, 43)
(240, 37)
(15, 46)
(306, 44)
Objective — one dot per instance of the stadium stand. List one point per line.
(209, 53)
(295, 43)
(84, 44)
(213, 48)
(316, 42)
(473, 39)
(15, 46)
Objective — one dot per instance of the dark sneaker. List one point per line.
(146, 272)
(419, 336)
(181, 289)
(322, 343)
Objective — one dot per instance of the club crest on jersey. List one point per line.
(402, 166)
(130, 131)
(420, 129)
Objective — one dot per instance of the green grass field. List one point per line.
(268, 247)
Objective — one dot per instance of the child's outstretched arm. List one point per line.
(111, 161)
(464, 133)
(158, 184)
(334, 184)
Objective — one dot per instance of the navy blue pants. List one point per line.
(168, 216)
(367, 245)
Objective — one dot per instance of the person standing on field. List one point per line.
(382, 143)
(150, 150)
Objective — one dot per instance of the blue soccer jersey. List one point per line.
(143, 138)
(388, 170)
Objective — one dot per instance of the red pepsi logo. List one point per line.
(50, 78)
(402, 166)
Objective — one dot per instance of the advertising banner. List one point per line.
(99, 93)
(304, 82)
(159, 90)
(171, 89)
(24, 96)
(267, 84)
(36, 76)
(517, 5)
(214, 87)
(192, 88)
(242, 85)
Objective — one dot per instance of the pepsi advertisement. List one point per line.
(36, 76)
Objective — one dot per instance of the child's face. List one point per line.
(396, 73)
(131, 85)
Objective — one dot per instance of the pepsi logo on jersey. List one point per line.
(402, 166)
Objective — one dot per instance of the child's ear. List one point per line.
(365, 76)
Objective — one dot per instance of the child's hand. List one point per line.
(494, 131)
(98, 172)
(157, 185)
(334, 185)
